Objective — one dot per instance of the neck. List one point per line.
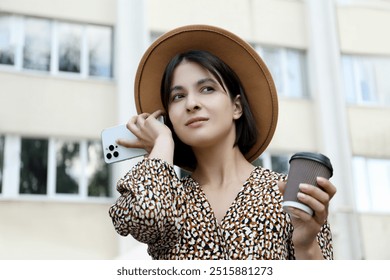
(221, 166)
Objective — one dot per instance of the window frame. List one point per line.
(353, 66)
(19, 34)
(283, 53)
(11, 176)
(366, 192)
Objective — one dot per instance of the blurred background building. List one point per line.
(67, 71)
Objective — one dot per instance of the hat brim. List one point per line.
(239, 55)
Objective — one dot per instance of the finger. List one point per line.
(313, 203)
(320, 210)
(144, 115)
(131, 123)
(282, 186)
(157, 114)
(327, 186)
(315, 192)
(133, 127)
(140, 122)
(129, 143)
(297, 213)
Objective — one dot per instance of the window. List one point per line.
(80, 169)
(372, 184)
(276, 162)
(33, 168)
(55, 168)
(97, 172)
(366, 80)
(288, 69)
(68, 167)
(1, 162)
(99, 51)
(280, 163)
(56, 47)
(7, 38)
(69, 47)
(37, 44)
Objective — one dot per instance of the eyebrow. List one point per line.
(198, 83)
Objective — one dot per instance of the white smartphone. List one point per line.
(112, 152)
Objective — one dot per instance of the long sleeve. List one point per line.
(324, 239)
(151, 204)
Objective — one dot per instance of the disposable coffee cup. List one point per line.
(304, 168)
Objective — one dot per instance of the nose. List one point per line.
(192, 103)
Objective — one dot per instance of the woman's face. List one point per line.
(201, 111)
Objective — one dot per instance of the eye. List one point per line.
(207, 89)
(177, 96)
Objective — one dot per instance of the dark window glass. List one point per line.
(280, 164)
(37, 44)
(69, 35)
(7, 46)
(97, 172)
(33, 169)
(68, 167)
(1, 162)
(69, 47)
(258, 162)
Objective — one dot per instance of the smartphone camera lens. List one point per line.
(111, 147)
(116, 154)
(109, 156)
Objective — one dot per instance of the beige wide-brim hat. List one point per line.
(239, 55)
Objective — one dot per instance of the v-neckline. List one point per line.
(232, 204)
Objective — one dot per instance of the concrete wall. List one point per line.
(376, 232)
(296, 127)
(56, 230)
(362, 29)
(40, 105)
(370, 130)
(276, 22)
(91, 11)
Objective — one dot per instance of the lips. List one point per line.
(195, 120)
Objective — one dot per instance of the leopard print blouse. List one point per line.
(174, 218)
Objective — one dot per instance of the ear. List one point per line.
(237, 107)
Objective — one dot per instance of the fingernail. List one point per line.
(320, 179)
(301, 195)
(303, 187)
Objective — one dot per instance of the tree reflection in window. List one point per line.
(99, 50)
(69, 47)
(1, 162)
(68, 167)
(7, 48)
(97, 171)
(280, 163)
(33, 169)
(37, 44)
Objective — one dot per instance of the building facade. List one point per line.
(67, 71)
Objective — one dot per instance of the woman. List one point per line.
(220, 109)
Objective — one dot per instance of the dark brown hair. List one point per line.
(246, 130)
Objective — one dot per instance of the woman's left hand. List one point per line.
(306, 227)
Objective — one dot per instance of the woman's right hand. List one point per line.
(152, 135)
